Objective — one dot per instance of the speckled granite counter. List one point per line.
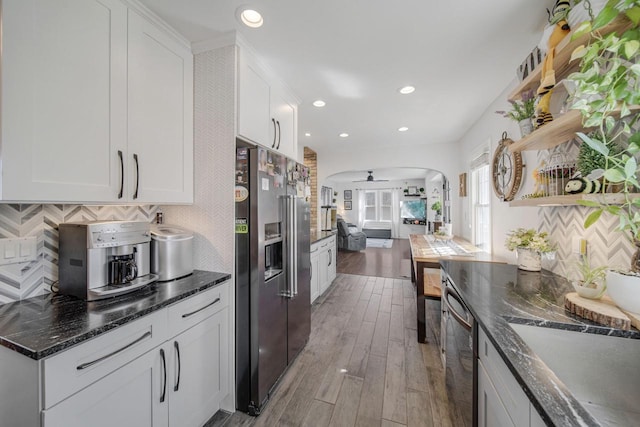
(321, 235)
(41, 326)
(499, 294)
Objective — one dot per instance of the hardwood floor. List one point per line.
(363, 365)
(378, 262)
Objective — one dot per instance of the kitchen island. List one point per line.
(498, 295)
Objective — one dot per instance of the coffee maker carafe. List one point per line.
(101, 259)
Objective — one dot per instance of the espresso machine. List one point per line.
(103, 259)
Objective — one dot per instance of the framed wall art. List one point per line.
(347, 194)
(347, 205)
(463, 185)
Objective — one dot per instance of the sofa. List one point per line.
(349, 238)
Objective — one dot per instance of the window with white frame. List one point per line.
(480, 200)
(377, 205)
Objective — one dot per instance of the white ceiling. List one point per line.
(355, 54)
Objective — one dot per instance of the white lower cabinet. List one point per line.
(130, 396)
(198, 372)
(323, 266)
(169, 368)
(315, 280)
(501, 400)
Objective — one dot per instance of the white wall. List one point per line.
(487, 131)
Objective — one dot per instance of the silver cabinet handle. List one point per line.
(113, 353)
(201, 308)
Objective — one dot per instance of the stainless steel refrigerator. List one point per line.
(273, 307)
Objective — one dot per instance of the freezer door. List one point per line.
(299, 306)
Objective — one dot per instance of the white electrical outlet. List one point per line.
(16, 250)
(579, 246)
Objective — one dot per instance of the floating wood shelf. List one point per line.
(556, 132)
(563, 67)
(552, 134)
(573, 199)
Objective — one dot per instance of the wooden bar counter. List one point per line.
(426, 252)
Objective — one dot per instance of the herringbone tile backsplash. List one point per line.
(19, 281)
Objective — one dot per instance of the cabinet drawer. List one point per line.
(509, 391)
(191, 311)
(80, 366)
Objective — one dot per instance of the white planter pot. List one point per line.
(526, 127)
(591, 293)
(624, 291)
(529, 260)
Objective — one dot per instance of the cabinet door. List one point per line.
(315, 282)
(200, 369)
(129, 396)
(284, 114)
(160, 115)
(63, 99)
(332, 261)
(254, 119)
(323, 273)
(491, 411)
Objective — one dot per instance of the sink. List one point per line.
(602, 372)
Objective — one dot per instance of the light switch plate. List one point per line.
(16, 250)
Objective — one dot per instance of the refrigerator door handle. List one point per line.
(290, 229)
(294, 274)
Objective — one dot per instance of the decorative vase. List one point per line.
(586, 292)
(526, 127)
(529, 260)
(624, 290)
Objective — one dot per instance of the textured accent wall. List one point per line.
(19, 281)
(311, 160)
(605, 245)
(212, 215)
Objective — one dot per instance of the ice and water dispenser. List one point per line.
(272, 250)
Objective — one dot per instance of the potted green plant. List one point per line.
(437, 207)
(589, 281)
(522, 112)
(607, 95)
(529, 245)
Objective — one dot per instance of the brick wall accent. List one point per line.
(311, 161)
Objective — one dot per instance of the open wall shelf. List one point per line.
(573, 199)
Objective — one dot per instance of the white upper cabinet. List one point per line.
(253, 105)
(86, 84)
(267, 115)
(63, 92)
(160, 122)
(283, 113)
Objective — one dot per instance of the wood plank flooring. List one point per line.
(363, 365)
(377, 262)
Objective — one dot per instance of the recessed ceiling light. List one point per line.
(319, 103)
(403, 129)
(406, 90)
(251, 18)
(344, 135)
(307, 134)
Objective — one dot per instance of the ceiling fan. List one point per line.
(370, 178)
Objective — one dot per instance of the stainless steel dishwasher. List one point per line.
(459, 356)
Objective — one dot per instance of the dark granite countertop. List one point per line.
(316, 236)
(41, 326)
(499, 294)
